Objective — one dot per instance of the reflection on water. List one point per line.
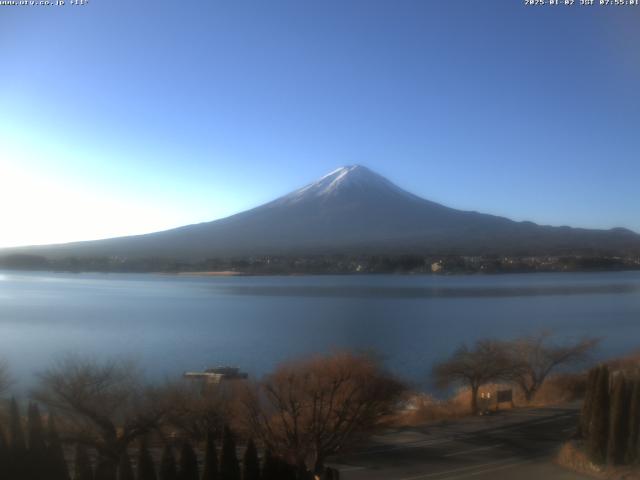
(355, 291)
(171, 324)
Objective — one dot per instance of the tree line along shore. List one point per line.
(331, 264)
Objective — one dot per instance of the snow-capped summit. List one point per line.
(343, 182)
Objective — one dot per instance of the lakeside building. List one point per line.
(213, 376)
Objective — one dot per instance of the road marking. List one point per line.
(351, 469)
(480, 472)
(556, 419)
(462, 469)
(472, 450)
(403, 446)
(530, 414)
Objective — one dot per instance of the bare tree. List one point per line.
(535, 357)
(196, 412)
(487, 361)
(310, 409)
(104, 405)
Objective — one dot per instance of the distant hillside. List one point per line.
(353, 210)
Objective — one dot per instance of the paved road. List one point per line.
(516, 444)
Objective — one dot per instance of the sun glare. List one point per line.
(40, 207)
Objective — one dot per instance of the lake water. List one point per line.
(170, 324)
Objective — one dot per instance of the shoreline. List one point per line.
(221, 273)
(233, 273)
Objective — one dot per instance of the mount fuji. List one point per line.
(353, 210)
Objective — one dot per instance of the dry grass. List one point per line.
(422, 408)
(572, 457)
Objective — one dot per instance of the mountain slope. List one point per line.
(354, 210)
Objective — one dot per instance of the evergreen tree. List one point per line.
(38, 456)
(4, 454)
(125, 470)
(634, 423)
(105, 469)
(83, 468)
(587, 404)
(269, 466)
(229, 465)
(275, 468)
(210, 471)
(188, 463)
(599, 424)
(286, 471)
(56, 463)
(251, 463)
(168, 469)
(618, 423)
(331, 474)
(15, 428)
(616, 396)
(17, 452)
(146, 468)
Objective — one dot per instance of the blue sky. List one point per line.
(124, 117)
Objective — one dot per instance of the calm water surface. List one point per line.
(171, 324)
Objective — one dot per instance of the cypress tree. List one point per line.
(251, 463)
(188, 462)
(599, 424)
(634, 423)
(37, 445)
(15, 428)
(286, 471)
(269, 466)
(146, 468)
(4, 454)
(125, 470)
(83, 468)
(332, 474)
(58, 469)
(17, 452)
(105, 469)
(587, 405)
(168, 469)
(619, 422)
(210, 471)
(229, 465)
